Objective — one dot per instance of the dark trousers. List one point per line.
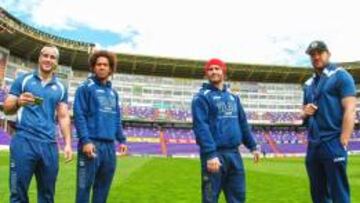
(230, 179)
(326, 167)
(28, 157)
(96, 174)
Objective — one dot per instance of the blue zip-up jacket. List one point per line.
(219, 121)
(97, 113)
(326, 91)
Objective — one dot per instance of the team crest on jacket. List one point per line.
(226, 108)
(216, 97)
(54, 87)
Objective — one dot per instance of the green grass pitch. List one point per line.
(176, 180)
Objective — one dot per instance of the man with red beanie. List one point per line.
(220, 127)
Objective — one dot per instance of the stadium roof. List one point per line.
(25, 41)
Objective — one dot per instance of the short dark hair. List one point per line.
(103, 53)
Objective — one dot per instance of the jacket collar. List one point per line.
(37, 76)
(98, 82)
(209, 86)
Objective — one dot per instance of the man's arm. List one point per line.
(349, 106)
(81, 110)
(248, 138)
(64, 122)
(16, 97)
(347, 91)
(201, 127)
(308, 109)
(65, 127)
(200, 114)
(119, 132)
(11, 105)
(80, 115)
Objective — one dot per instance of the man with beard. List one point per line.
(329, 114)
(220, 127)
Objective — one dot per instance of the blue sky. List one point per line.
(84, 33)
(80, 32)
(245, 31)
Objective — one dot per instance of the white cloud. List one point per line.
(20, 7)
(251, 31)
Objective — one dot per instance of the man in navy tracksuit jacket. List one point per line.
(329, 114)
(38, 98)
(220, 127)
(98, 123)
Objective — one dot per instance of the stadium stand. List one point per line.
(156, 93)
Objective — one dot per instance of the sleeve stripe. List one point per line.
(62, 90)
(19, 114)
(23, 84)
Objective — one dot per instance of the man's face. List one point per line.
(48, 59)
(102, 68)
(319, 59)
(215, 74)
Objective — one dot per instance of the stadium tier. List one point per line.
(11, 24)
(152, 98)
(159, 90)
(161, 99)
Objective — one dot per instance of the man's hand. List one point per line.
(123, 149)
(309, 110)
(89, 150)
(68, 153)
(256, 156)
(25, 98)
(213, 165)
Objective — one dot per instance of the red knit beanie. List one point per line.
(215, 61)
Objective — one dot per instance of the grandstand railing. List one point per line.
(13, 24)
